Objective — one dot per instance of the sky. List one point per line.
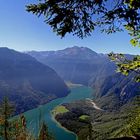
(24, 31)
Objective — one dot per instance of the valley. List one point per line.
(47, 114)
(75, 92)
(70, 70)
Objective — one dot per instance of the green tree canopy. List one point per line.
(126, 66)
(6, 110)
(81, 17)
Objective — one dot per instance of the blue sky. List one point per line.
(23, 31)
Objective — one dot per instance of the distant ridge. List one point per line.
(75, 51)
(75, 64)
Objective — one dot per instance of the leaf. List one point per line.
(134, 42)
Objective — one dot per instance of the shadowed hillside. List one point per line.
(27, 82)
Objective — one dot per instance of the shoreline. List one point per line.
(59, 124)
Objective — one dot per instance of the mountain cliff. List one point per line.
(27, 82)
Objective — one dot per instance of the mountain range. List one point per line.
(84, 66)
(32, 78)
(76, 64)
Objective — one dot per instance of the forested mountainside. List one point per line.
(116, 90)
(27, 82)
(93, 124)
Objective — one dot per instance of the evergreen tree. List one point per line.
(6, 110)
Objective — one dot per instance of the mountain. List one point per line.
(27, 82)
(84, 66)
(115, 91)
(117, 95)
(76, 64)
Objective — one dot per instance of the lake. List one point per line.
(44, 113)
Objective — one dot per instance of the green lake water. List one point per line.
(33, 116)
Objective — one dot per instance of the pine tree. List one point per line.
(6, 111)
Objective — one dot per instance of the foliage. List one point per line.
(81, 17)
(103, 124)
(126, 66)
(16, 129)
(131, 125)
(6, 110)
(19, 130)
(12, 129)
